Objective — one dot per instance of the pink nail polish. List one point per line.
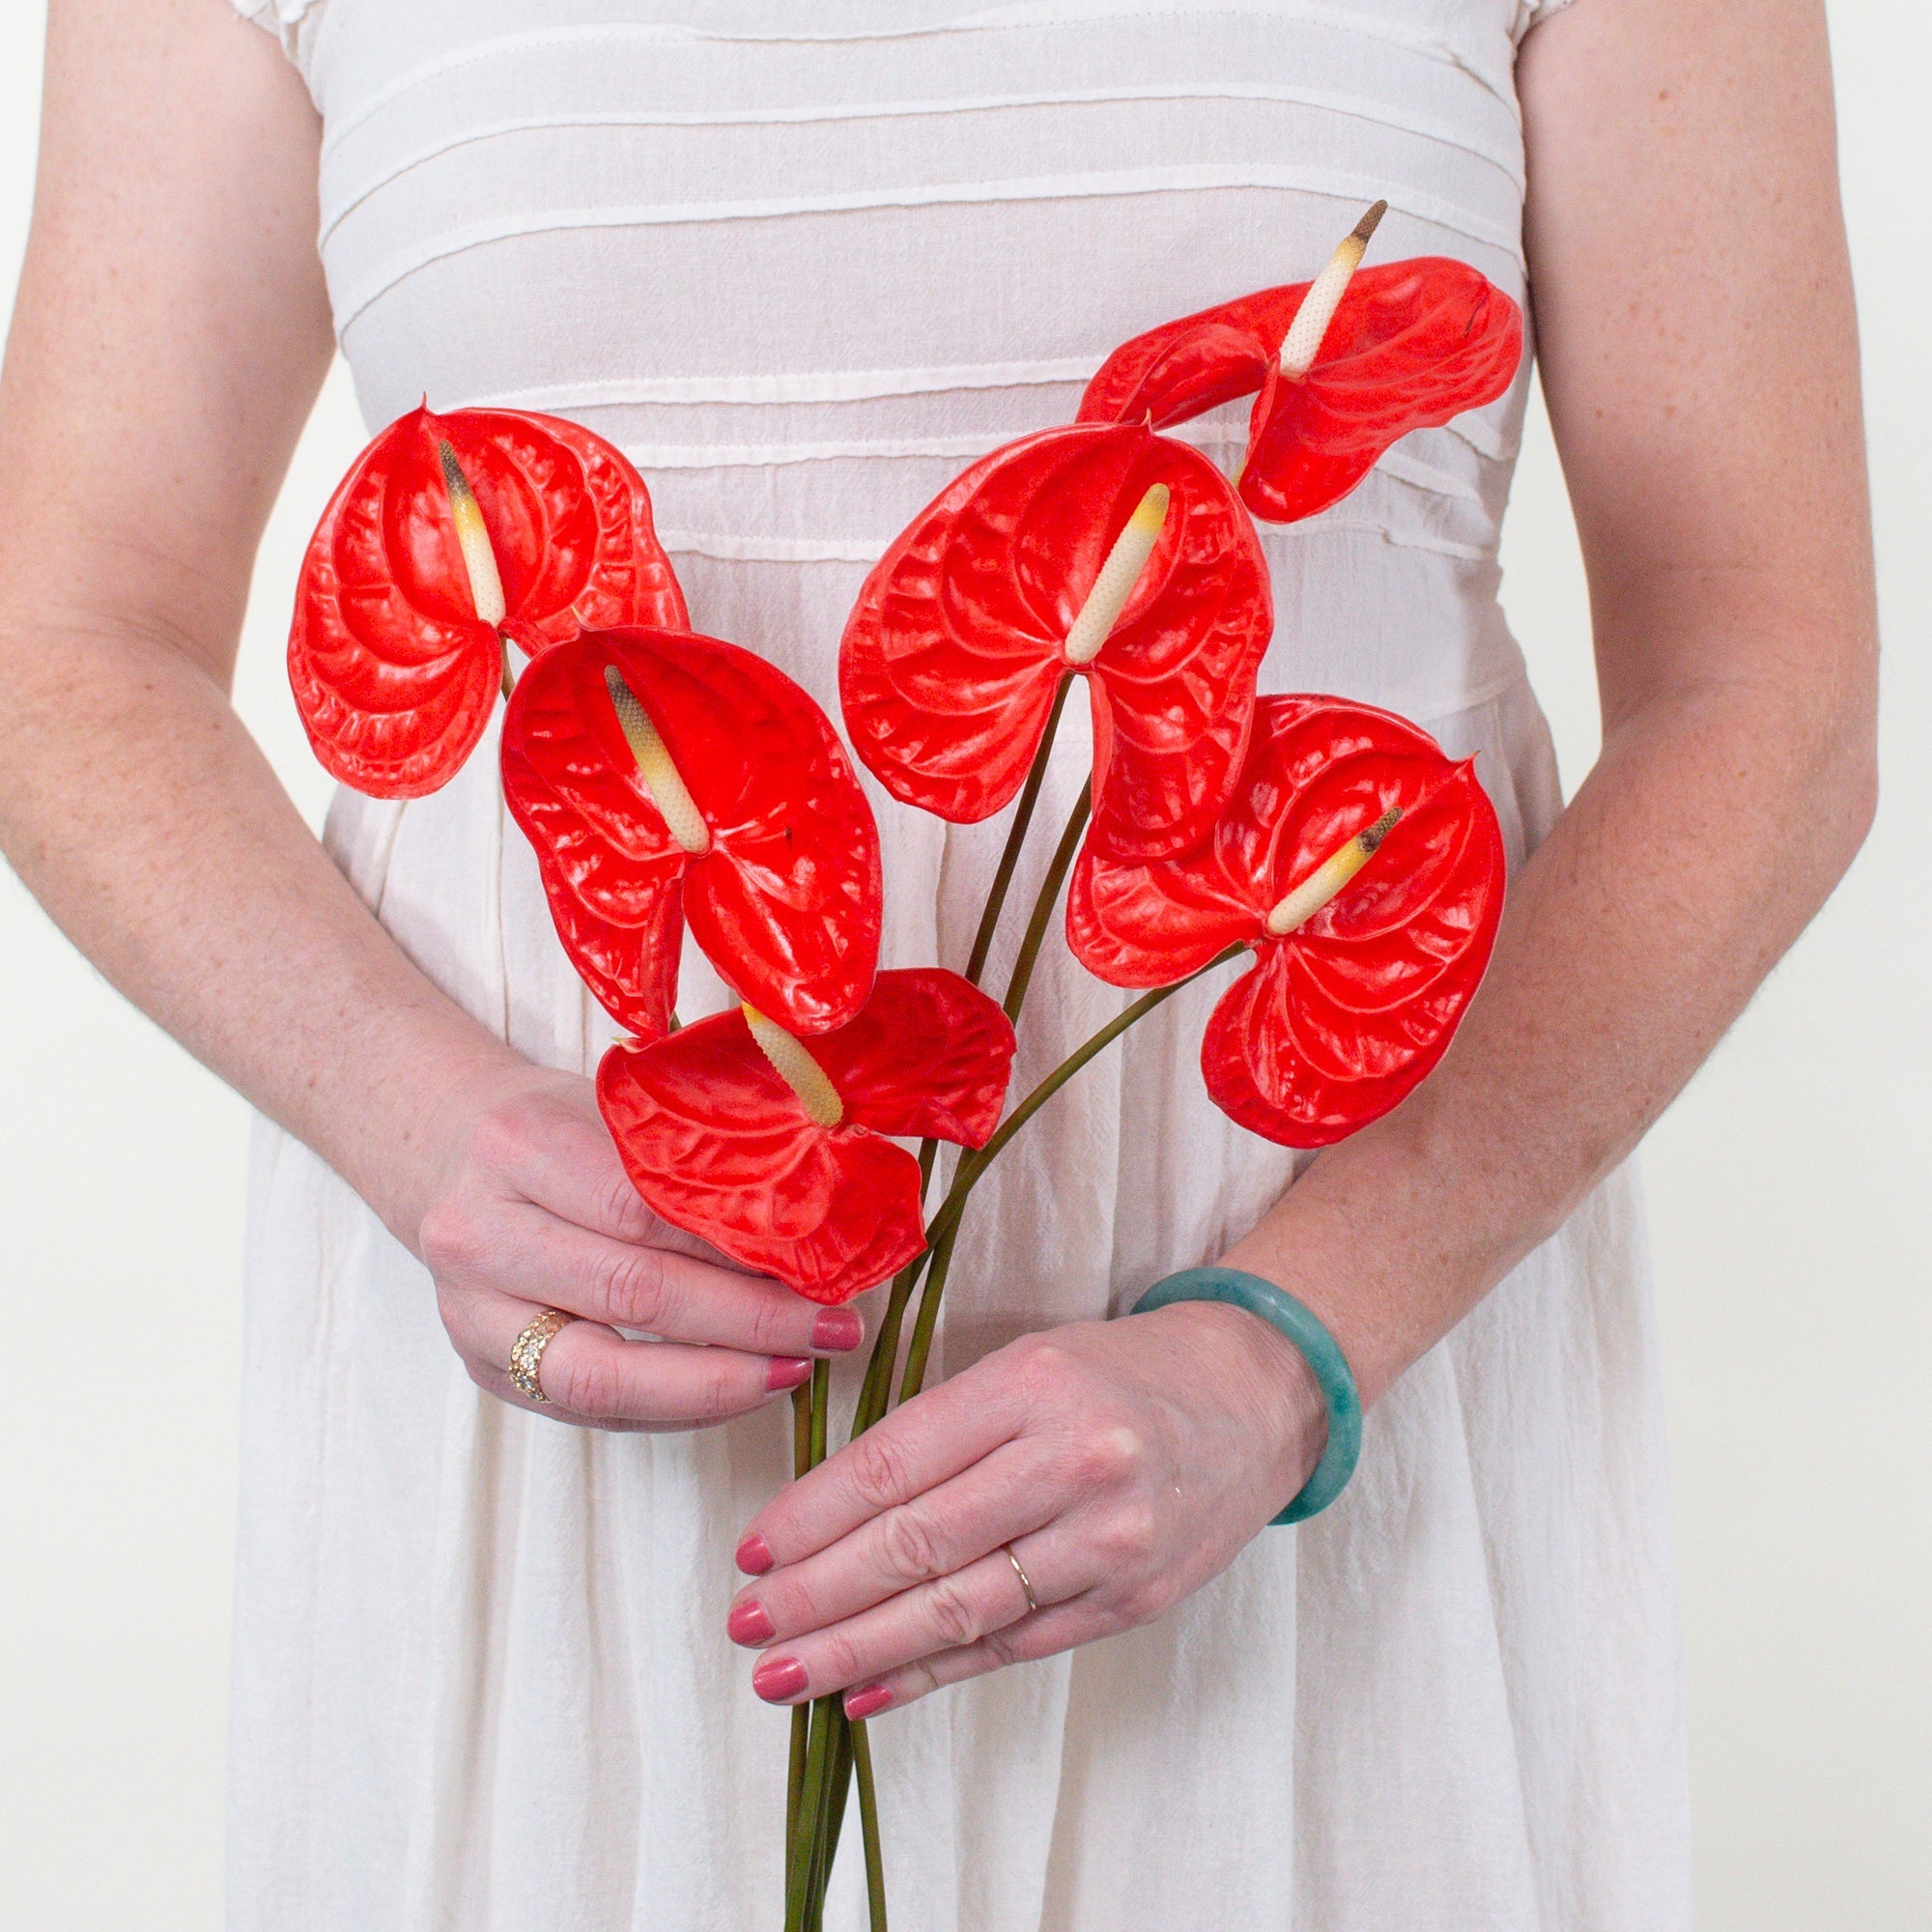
(838, 1328)
(786, 1372)
(755, 1556)
(867, 1703)
(748, 1623)
(778, 1678)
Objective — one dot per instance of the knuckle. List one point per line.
(770, 1319)
(634, 1285)
(500, 1140)
(586, 1384)
(1106, 1456)
(950, 1614)
(1129, 1538)
(838, 1663)
(722, 1388)
(621, 1207)
(881, 1472)
(911, 1550)
(1048, 1372)
(448, 1237)
(1141, 1601)
(1000, 1648)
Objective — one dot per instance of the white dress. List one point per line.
(803, 264)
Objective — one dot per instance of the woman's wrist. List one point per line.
(407, 1124)
(1269, 1380)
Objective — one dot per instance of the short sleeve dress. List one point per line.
(804, 263)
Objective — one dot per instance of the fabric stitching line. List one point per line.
(1355, 106)
(1153, 181)
(666, 33)
(829, 385)
(730, 547)
(691, 456)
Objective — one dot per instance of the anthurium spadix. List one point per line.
(665, 778)
(1366, 871)
(1339, 369)
(773, 1147)
(1098, 550)
(448, 535)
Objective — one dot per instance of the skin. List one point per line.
(1700, 362)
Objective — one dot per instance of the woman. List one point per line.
(483, 1673)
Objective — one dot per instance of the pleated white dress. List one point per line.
(803, 264)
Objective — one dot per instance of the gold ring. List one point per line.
(527, 1351)
(1033, 1603)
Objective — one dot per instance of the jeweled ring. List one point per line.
(527, 1351)
(1033, 1603)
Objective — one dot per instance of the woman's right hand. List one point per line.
(532, 1209)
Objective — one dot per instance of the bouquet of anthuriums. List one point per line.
(668, 779)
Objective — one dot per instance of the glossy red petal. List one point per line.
(1186, 367)
(1412, 345)
(1340, 1019)
(718, 1145)
(929, 1055)
(393, 672)
(1132, 924)
(956, 644)
(631, 969)
(787, 901)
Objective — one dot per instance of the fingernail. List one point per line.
(748, 1623)
(755, 1556)
(778, 1678)
(786, 1372)
(867, 1703)
(838, 1328)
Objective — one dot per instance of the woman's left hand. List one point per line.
(1122, 1462)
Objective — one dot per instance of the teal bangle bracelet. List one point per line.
(1303, 1327)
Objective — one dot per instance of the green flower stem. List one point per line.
(868, 1824)
(943, 1231)
(832, 1820)
(805, 1825)
(801, 1453)
(876, 1391)
(928, 1312)
(821, 1397)
(990, 918)
(795, 1784)
(804, 1841)
(1044, 904)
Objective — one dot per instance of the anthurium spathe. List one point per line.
(1092, 550)
(445, 529)
(1364, 868)
(665, 778)
(772, 1148)
(1405, 345)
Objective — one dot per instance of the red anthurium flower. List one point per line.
(665, 776)
(446, 527)
(1108, 551)
(770, 1147)
(1364, 868)
(1410, 344)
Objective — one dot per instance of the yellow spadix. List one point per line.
(1118, 574)
(1330, 876)
(662, 778)
(796, 1067)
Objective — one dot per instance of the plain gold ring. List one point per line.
(1033, 1603)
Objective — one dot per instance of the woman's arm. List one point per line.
(169, 336)
(1695, 317)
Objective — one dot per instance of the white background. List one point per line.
(1789, 1188)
